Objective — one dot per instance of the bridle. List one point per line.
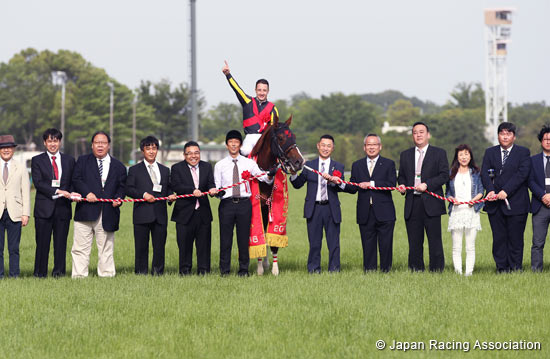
(282, 152)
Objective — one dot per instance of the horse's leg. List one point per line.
(275, 268)
(263, 263)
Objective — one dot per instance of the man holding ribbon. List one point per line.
(322, 206)
(235, 208)
(257, 111)
(149, 179)
(52, 173)
(504, 173)
(424, 167)
(97, 176)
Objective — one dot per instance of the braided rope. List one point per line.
(407, 188)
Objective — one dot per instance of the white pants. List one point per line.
(82, 247)
(470, 239)
(249, 142)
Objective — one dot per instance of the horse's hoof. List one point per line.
(275, 269)
(260, 270)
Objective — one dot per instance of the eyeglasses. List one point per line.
(192, 153)
(100, 143)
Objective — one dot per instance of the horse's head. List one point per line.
(284, 147)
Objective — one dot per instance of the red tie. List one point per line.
(55, 169)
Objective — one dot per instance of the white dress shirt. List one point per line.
(321, 179)
(502, 154)
(223, 174)
(191, 169)
(156, 169)
(57, 161)
(106, 165)
(372, 162)
(417, 156)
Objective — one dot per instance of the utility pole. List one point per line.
(61, 76)
(194, 110)
(134, 108)
(111, 119)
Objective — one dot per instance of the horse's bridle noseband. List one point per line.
(281, 153)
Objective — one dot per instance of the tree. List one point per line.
(403, 113)
(465, 97)
(219, 120)
(171, 110)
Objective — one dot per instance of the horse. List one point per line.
(276, 146)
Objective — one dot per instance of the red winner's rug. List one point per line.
(278, 212)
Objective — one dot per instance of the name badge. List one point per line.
(157, 188)
(372, 184)
(56, 183)
(547, 181)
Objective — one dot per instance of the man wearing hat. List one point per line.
(14, 201)
(235, 208)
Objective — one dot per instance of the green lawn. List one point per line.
(294, 315)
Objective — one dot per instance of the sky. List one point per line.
(422, 48)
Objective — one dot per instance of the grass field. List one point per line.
(295, 315)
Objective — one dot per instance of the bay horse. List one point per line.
(276, 146)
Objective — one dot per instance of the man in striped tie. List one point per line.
(96, 176)
(504, 173)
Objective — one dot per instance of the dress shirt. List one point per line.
(417, 155)
(4, 165)
(321, 180)
(373, 163)
(223, 174)
(106, 165)
(543, 159)
(155, 169)
(509, 151)
(197, 169)
(57, 161)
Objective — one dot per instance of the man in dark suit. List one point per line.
(322, 206)
(504, 173)
(375, 209)
(539, 184)
(97, 175)
(192, 215)
(424, 167)
(52, 172)
(148, 180)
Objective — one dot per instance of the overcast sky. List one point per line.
(422, 48)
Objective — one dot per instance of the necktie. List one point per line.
(153, 175)
(101, 171)
(505, 156)
(547, 173)
(324, 196)
(236, 177)
(6, 173)
(55, 169)
(371, 167)
(196, 182)
(417, 177)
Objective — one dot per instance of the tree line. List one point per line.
(30, 103)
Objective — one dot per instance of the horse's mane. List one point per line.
(266, 135)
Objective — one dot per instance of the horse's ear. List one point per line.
(275, 120)
(289, 121)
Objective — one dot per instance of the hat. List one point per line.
(234, 134)
(8, 141)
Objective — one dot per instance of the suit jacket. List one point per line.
(182, 183)
(312, 180)
(536, 182)
(512, 178)
(42, 175)
(138, 182)
(16, 192)
(86, 179)
(383, 175)
(435, 173)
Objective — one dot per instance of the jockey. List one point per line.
(257, 111)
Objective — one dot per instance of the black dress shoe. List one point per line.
(244, 274)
